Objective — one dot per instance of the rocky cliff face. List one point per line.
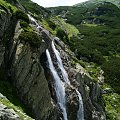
(25, 66)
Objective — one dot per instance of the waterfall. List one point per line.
(59, 86)
(80, 113)
(64, 73)
(34, 21)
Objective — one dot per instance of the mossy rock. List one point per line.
(31, 37)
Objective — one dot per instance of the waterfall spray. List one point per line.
(59, 86)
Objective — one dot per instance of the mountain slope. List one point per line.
(97, 45)
(116, 2)
(80, 42)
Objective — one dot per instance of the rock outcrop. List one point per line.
(7, 114)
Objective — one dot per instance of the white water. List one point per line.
(34, 21)
(59, 86)
(80, 113)
(64, 73)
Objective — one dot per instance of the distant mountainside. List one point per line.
(116, 2)
(87, 11)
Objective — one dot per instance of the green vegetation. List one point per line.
(60, 28)
(31, 37)
(97, 44)
(51, 24)
(112, 73)
(62, 35)
(25, 26)
(7, 6)
(21, 15)
(112, 101)
(112, 106)
(89, 12)
(68, 28)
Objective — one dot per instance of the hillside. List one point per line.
(97, 44)
(59, 63)
(116, 2)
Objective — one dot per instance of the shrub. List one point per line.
(112, 73)
(31, 37)
(97, 57)
(62, 35)
(51, 24)
(21, 15)
(25, 26)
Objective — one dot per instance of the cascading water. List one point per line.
(33, 20)
(64, 73)
(59, 86)
(80, 113)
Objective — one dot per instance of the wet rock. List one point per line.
(72, 103)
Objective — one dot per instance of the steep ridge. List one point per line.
(51, 92)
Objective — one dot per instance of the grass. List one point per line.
(112, 101)
(71, 30)
(46, 26)
(17, 109)
(90, 25)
